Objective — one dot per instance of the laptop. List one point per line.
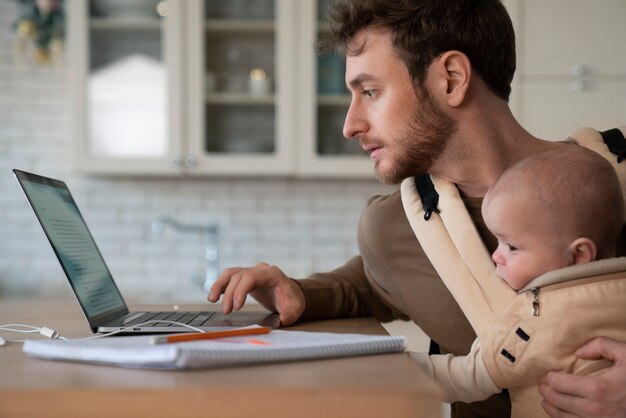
(90, 279)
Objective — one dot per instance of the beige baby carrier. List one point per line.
(573, 305)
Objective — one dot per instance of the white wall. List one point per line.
(301, 225)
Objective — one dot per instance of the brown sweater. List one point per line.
(393, 279)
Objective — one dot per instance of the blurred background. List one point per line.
(197, 135)
(92, 93)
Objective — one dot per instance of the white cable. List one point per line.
(45, 331)
(53, 334)
(108, 334)
(8, 328)
(49, 332)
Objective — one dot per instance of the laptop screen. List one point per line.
(73, 244)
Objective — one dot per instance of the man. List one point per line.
(430, 82)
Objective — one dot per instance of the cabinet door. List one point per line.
(552, 110)
(572, 65)
(324, 102)
(584, 34)
(127, 85)
(240, 71)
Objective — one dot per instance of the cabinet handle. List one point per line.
(163, 9)
(576, 86)
(191, 161)
(576, 70)
(176, 162)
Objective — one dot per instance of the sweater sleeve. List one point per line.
(355, 289)
(343, 292)
(463, 378)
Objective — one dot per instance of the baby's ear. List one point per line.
(583, 250)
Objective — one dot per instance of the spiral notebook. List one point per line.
(277, 346)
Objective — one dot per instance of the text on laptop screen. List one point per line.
(75, 248)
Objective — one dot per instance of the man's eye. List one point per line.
(511, 247)
(370, 93)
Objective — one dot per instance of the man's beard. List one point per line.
(421, 144)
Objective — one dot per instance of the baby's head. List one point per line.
(552, 210)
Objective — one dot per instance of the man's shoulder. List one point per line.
(385, 202)
(383, 219)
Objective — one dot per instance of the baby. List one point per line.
(553, 210)
(555, 215)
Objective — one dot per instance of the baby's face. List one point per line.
(527, 247)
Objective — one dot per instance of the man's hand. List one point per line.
(267, 284)
(600, 395)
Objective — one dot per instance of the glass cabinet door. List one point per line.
(326, 102)
(240, 86)
(218, 87)
(129, 94)
(332, 97)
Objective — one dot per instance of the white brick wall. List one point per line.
(302, 226)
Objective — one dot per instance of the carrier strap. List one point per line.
(453, 246)
(615, 141)
(428, 194)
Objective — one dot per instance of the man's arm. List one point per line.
(344, 292)
(600, 395)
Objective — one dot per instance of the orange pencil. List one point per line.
(210, 335)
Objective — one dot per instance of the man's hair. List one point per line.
(576, 190)
(422, 30)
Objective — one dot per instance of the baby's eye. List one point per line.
(511, 247)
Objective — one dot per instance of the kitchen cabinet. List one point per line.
(571, 65)
(234, 87)
(127, 86)
(324, 105)
(207, 87)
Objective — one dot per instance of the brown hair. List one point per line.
(424, 29)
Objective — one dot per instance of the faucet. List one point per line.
(211, 250)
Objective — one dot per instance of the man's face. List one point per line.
(404, 132)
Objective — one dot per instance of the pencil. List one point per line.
(210, 335)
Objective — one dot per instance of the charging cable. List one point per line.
(53, 334)
(108, 334)
(29, 329)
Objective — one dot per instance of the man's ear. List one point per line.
(583, 250)
(455, 73)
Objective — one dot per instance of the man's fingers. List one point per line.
(555, 412)
(261, 276)
(559, 403)
(569, 384)
(221, 282)
(568, 393)
(599, 348)
(288, 316)
(266, 283)
(227, 300)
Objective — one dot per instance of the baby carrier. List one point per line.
(521, 335)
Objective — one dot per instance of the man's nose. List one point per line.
(354, 125)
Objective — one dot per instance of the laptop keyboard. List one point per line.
(195, 319)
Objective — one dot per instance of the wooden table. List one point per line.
(388, 385)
